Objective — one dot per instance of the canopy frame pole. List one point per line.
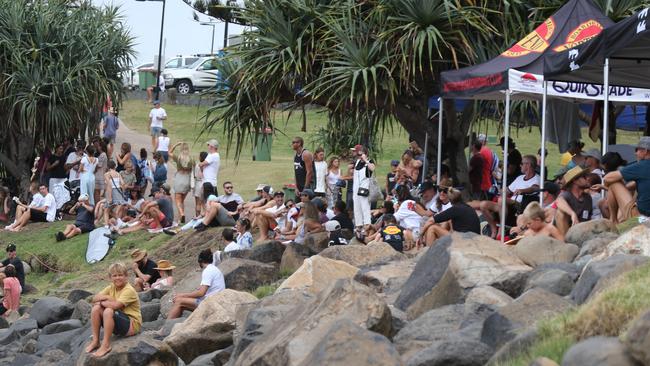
(439, 157)
(424, 164)
(504, 175)
(542, 173)
(605, 106)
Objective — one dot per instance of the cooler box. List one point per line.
(262, 149)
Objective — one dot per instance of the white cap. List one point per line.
(83, 197)
(481, 138)
(332, 225)
(260, 186)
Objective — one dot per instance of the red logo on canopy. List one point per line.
(528, 77)
(536, 41)
(581, 34)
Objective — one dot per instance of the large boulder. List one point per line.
(488, 295)
(210, 327)
(133, 351)
(150, 311)
(363, 255)
(188, 283)
(387, 278)
(345, 343)
(510, 320)
(49, 310)
(293, 257)
(536, 250)
(596, 245)
(453, 266)
(217, 358)
(293, 337)
(62, 341)
(316, 273)
(553, 280)
(268, 252)
(454, 350)
(635, 241)
(82, 311)
(517, 346)
(62, 326)
(458, 321)
(316, 242)
(599, 274)
(598, 351)
(584, 231)
(78, 294)
(245, 274)
(637, 339)
(18, 329)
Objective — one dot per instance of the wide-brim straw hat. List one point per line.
(164, 265)
(573, 174)
(138, 254)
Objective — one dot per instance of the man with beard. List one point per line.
(574, 204)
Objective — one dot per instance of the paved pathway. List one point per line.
(138, 141)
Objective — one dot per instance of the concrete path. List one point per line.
(138, 141)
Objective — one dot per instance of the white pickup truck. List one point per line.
(202, 74)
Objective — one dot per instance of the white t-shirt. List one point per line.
(213, 278)
(73, 174)
(321, 176)
(88, 166)
(274, 210)
(211, 171)
(407, 217)
(232, 246)
(521, 183)
(156, 116)
(333, 177)
(163, 143)
(48, 201)
(37, 200)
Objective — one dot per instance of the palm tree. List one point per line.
(59, 60)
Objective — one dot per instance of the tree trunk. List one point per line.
(16, 160)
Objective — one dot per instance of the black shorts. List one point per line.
(2, 309)
(165, 223)
(37, 216)
(122, 323)
(84, 227)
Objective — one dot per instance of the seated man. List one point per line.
(341, 215)
(156, 215)
(620, 183)
(536, 224)
(230, 200)
(41, 209)
(116, 308)
(270, 216)
(215, 215)
(463, 219)
(574, 204)
(13, 260)
(266, 196)
(84, 223)
(212, 281)
(144, 270)
(522, 186)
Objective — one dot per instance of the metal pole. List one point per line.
(504, 177)
(543, 144)
(212, 43)
(439, 157)
(162, 26)
(606, 106)
(424, 164)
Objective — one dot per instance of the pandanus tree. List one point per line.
(368, 63)
(59, 61)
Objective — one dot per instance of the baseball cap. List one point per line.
(593, 153)
(644, 143)
(213, 142)
(394, 162)
(511, 142)
(260, 187)
(156, 101)
(307, 192)
(481, 137)
(11, 247)
(166, 187)
(332, 225)
(278, 193)
(268, 189)
(83, 197)
(357, 147)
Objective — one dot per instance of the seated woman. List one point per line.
(407, 216)
(84, 223)
(12, 290)
(116, 308)
(463, 218)
(166, 280)
(5, 204)
(309, 221)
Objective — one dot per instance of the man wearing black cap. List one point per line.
(514, 160)
(12, 259)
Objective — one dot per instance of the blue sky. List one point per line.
(182, 34)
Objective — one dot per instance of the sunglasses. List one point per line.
(443, 190)
(229, 187)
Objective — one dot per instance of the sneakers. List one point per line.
(183, 219)
(170, 231)
(200, 227)
(59, 236)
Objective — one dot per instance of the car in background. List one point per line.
(180, 61)
(202, 74)
(131, 78)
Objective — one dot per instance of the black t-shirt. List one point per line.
(394, 236)
(20, 270)
(165, 206)
(390, 179)
(582, 207)
(58, 171)
(476, 172)
(514, 165)
(148, 269)
(344, 220)
(463, 218)
(84, 217)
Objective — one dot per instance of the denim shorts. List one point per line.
(155, 131)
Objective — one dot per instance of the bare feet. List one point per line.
(92, 346)
(102, 351)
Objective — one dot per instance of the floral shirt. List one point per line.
(245, 240)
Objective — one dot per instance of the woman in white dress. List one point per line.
(87, 170)
(320, 172)
(361, 173)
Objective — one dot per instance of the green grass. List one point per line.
(265, 290)
(609, 313)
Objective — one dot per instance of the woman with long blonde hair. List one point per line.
(182, 180)
(333, 192)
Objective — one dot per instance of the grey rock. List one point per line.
(269, 252)
(150, 295)
(455, 351)
(188, 283)
(17, 330)
(514, 347)
(552, 280)
(29, 347)
(150, 311)
(216, 358)
(345, 343)
(293, 257)
(585, 231)
(60, 341)
(166, 329)
(244, 274)
(400, 320)
(78, 294)
(597, 245)
(3, 323)
(82, 311)
(23, 359)
(598, 351)
(52, 357)
(637, 338)
(141, 350)
(243, 254)
(598, 274)
(49, 310)
(316, 242)
(154, 325)
(62, 326)
(536, 250)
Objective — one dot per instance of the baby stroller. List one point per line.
(72, 193)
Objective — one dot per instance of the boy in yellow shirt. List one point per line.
(116, 308)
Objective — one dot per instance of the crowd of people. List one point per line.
(341, 195)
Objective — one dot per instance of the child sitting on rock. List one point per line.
(391, 233)
(12, 290)
(536, 223)
(116, 308)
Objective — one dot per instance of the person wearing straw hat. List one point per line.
(84, 223)
(164, 269)
(574, 205)
(144, 269)
(622, 182)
